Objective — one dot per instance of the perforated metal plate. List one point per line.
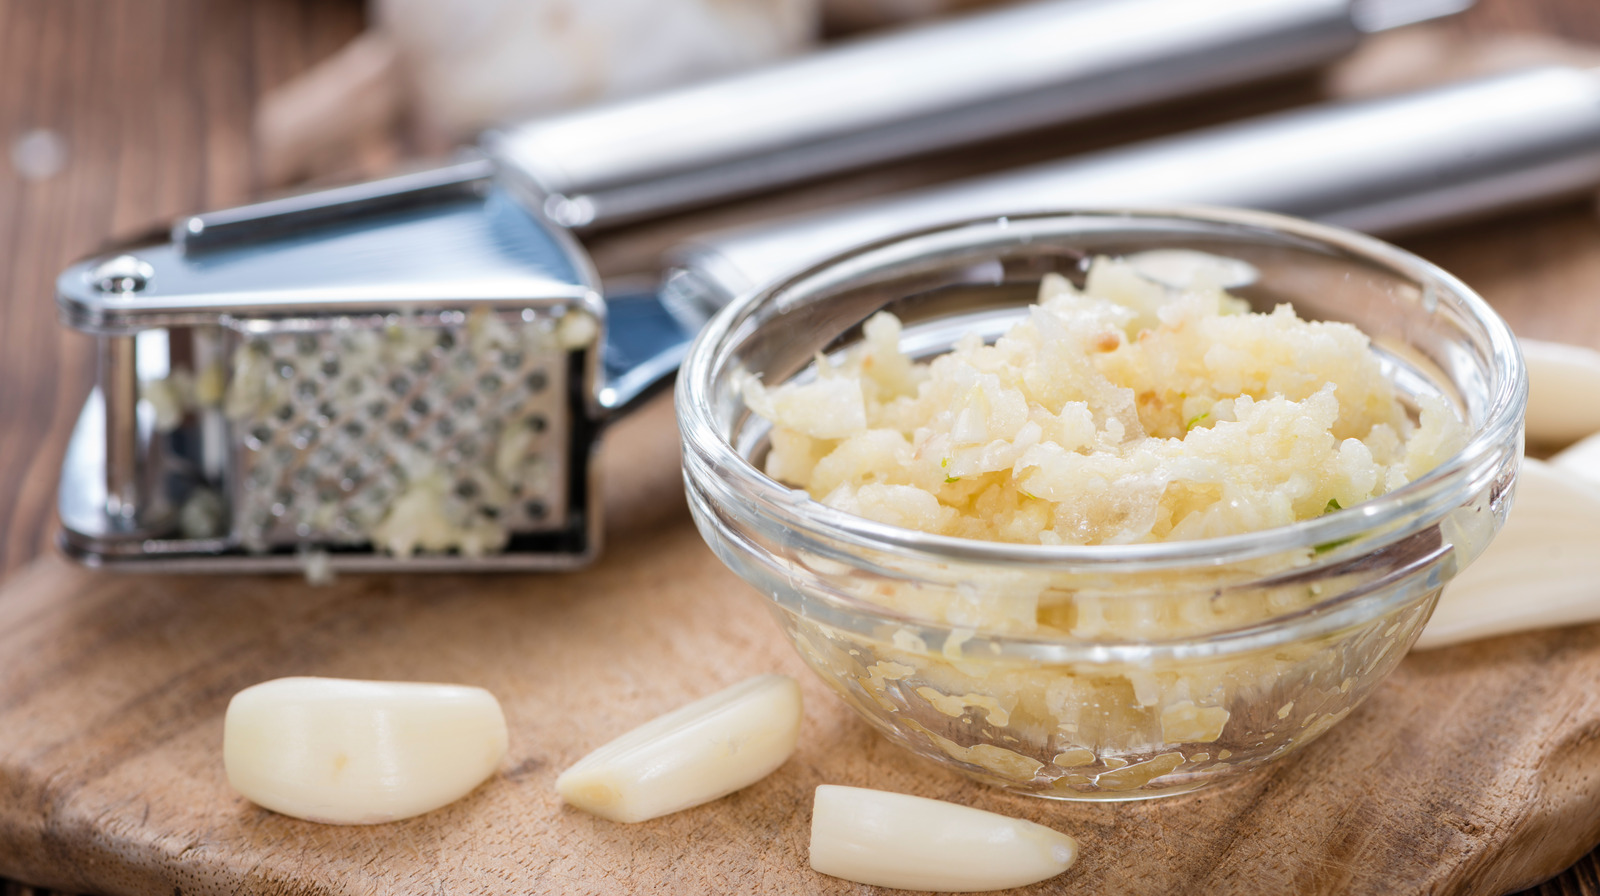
(442, 431)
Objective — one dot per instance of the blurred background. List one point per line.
(116, 116)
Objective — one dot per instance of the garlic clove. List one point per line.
(360, 752)
(1541, 571)
(912, 843)
(692, 755)
(1563, 382)
(1581, 459)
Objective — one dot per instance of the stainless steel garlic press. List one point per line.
(416, 370)
(401, 367)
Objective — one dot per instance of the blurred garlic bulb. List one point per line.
(472, 63)
(459, 67)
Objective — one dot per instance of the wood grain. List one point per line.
(153, 102)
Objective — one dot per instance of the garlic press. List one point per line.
(416, 370)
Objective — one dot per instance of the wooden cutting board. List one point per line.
(1471, 770)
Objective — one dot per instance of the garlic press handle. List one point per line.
(915, 91)
(1383, 166)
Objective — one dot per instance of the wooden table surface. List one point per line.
(151, 101)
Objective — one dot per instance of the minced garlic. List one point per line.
(1124, 412)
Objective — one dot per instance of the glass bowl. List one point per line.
(1185, 663)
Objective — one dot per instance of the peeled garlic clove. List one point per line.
(691, 755)
(1541, 571)
(912, 843)
(1581, 460)
(1563, 382)
(360, 752)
